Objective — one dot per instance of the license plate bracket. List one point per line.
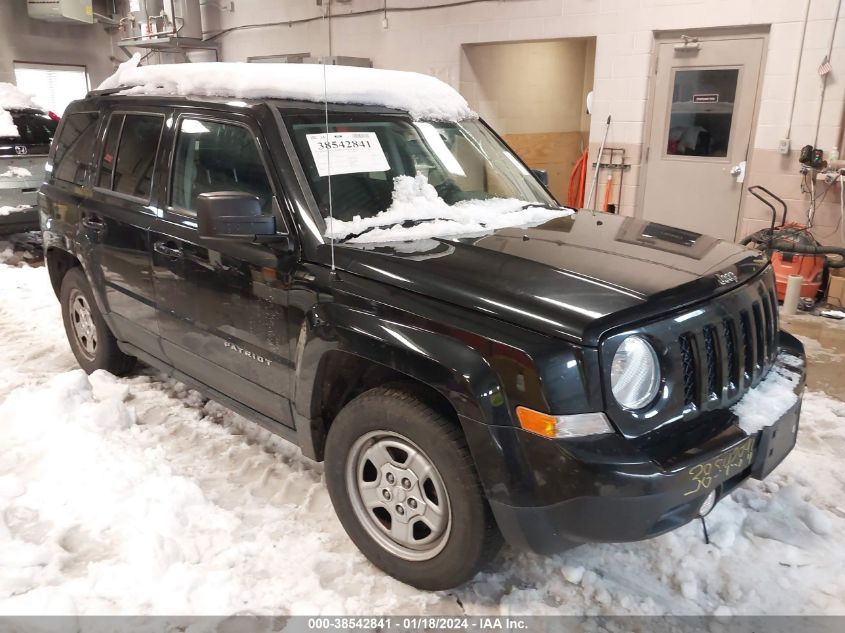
(776, 442)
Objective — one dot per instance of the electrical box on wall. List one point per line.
(61, 10)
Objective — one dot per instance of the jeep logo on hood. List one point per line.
(726, 278)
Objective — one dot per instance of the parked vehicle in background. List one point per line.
(400, 296)
(25, 136)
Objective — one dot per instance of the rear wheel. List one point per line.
(90, 339)
(404, 487)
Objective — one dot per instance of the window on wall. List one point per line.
(52, 86)
(702, 112)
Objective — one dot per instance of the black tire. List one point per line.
(100, 351)
(472, 538)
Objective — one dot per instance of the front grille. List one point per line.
(711, 360)
(730, 351)
(721, 359)
(688, 368)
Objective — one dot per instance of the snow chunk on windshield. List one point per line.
(767, 402)
(416, 201)
(11, 98)
(422, 96)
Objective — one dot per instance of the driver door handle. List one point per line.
(165, 248)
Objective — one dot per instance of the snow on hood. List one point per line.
(422, 96)
(414, 199)
(11, 98)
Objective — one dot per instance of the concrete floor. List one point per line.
(824, 342)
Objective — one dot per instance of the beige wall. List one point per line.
(433, 41)
(533, 93)
(27, 40)
(527, 87)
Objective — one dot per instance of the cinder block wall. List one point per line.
(432, 41)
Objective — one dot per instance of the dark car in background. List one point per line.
(22, 162)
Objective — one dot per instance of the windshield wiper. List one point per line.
(541, 205)
(405, 225)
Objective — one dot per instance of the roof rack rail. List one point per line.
(113, 91)
(106, 91)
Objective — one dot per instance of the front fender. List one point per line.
(447, 365)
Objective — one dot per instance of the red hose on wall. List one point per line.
(577, 181)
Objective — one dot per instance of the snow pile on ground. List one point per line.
(773, 397)
(16, 172)
(135, 495)
(422, 96)
(414, 199)
(11, 99)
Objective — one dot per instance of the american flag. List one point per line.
(825, 67)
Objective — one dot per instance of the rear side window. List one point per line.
(214, 156)
(129, 154)
(75, 147)
(34, 128)
(110, 152)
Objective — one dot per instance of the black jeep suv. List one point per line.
(566, 383)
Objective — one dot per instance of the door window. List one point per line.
(702, 112)
(104, 180)
(75, 147)
(129, 154)
(136, 155)
(214, 156)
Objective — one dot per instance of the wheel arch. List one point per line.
(342, 352)
(59, 261)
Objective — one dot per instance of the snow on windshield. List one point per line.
(422, 96)
(415, 200)
(12, 99)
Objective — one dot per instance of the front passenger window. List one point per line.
(213, 156)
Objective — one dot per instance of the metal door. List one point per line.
(704, 101)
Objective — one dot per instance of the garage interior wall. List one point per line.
(39, 41)
(534, 94)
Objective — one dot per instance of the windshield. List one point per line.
(388, 171)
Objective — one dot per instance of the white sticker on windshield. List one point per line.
(347, 153)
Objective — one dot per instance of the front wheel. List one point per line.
(404, 487)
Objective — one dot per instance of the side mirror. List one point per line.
(234, 215)
(542, 175)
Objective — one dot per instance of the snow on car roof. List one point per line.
(422, 96)
(11, 98)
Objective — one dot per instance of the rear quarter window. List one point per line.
(75, 147)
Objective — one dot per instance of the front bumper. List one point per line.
(609, 489)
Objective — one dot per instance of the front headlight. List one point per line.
(634, 373)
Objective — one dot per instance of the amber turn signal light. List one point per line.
(536, 422)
